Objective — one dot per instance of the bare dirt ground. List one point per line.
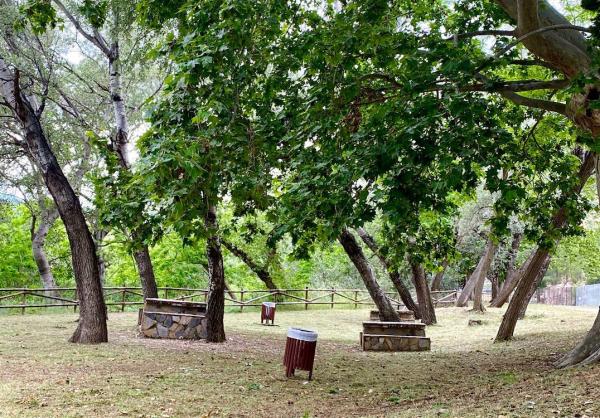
(465, 374)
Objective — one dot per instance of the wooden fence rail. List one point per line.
(121, 297)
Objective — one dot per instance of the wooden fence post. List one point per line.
(306, 298)
(242, 300)
(332, 296)
(23, 301)
(122, 300)
(355, 299)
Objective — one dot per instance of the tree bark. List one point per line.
(534, 287)
(356, 255)
(436, 284)
(262, 272)
(91, 327)
(467, 290)
(215, 308)
(510, 283)
(426, 308)
(511, 268)
(587, 351)
(507, 327)
(38, 242)
(480, 273)
(99, 235)
(493, 276)
(512, 274)
(401, 288)
(146, 272)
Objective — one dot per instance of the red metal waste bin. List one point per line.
(300, 351)
(267, 312)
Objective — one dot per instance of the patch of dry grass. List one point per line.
(42, 375)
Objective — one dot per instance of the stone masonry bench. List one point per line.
(394, 336)
(178, 319)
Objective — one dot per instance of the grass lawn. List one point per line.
(465, 374)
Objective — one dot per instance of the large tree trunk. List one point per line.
(38, 241)
(467, 290)
(507, 327)
(404, 293)
(480, 273)
(509, 321)
(91, 327)
(401, 288)
(146, 272)
(215, 308)
(493, 276)
(356, 255)
(511, 264)
(476, 280)
(512, 273)
(511, 283)
(534, 287)
(587, 351)
(426, 308)
(262, 272)
(436, 284)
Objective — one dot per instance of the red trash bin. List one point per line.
(267, 312)
(300, 351)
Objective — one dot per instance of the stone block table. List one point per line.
(394, 336)
(177, 319)
(405, 315)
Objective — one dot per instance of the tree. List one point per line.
(511, 274)
(355, 253)
(426, 307)
(117, 18)
(474, 285)
(92, 324)
(372, 153)
(393, 273)
(261, 271)
(205, 143)
(436, 283)
(534, 286)
(555, 44)
(540, 257)
(480, 273)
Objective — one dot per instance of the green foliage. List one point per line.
(40, 14)
(18, 268)
(175, 264)
(204, 142)
(576, 259)
(94, 12)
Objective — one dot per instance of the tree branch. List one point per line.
(491, 32)
(514, 86)
(95, 39)
(548, 105)
(537, 32)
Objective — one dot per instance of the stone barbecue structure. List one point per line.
(394, 336)
(405, 315)
(178, 319)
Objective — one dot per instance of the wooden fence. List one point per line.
(122, 297)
